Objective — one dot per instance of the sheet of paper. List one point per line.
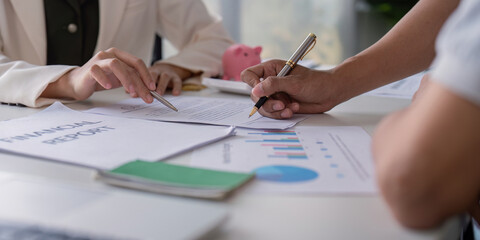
(404, 88)
(103, 142)
(216, 111)
(303, 160)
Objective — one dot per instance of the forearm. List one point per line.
(427, 158)
(406, 49)
(204, 53)
(60, 89)
(24, 83)
(202, 39)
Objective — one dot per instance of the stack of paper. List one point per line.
(166, 178)
(98, 141)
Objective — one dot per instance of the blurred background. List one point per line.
(343, 27)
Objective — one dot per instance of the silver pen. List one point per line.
(301, 51)
(163, 100)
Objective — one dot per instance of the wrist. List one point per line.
(61, 88)
(354, 76)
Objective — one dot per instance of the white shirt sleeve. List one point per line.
(476, 230)
(457, 65)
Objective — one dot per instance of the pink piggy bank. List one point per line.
(237, 58)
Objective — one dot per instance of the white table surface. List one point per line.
(268, 216)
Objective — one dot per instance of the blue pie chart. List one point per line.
(284, 173)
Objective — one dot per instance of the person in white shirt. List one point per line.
(428, 155)
(125, 40)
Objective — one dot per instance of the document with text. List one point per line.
(333, 160)
(215, 111)
(98, 141)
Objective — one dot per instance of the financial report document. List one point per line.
(103, 142)
(215, 111)
(301, 160)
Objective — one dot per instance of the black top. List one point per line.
(72, 30)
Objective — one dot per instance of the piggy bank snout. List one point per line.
(237, 58)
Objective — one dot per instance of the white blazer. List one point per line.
(129, 25)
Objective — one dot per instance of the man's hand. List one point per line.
(302, 91)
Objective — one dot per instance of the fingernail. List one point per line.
(295, 107)
(285, 114)
(152, 86)
(258, 90)
(149, 98)
(108, 86)
(277, 107)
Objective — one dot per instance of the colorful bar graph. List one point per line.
(274, 140)
(289, 148)
(289, 156)
(293, 147)
(274, 132)
(280, 144)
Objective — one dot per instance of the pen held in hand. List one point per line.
(163, 100)
(259, 103)
(301, 51)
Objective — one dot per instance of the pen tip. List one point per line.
(173, 108)
(254, 110)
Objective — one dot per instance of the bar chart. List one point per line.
(283, 144)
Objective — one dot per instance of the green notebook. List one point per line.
(175, 179)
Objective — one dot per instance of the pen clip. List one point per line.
(305, 54)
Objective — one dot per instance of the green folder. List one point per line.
(175, 179)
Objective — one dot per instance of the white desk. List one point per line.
(262, 216)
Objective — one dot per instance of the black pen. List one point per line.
(289, 65)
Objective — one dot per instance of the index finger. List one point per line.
(137, 64)
(252, 75)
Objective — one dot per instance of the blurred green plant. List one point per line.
(392, 10)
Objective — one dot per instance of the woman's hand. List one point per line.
(168, 76)
(106, 70)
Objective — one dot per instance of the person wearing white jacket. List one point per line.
(123, 43)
